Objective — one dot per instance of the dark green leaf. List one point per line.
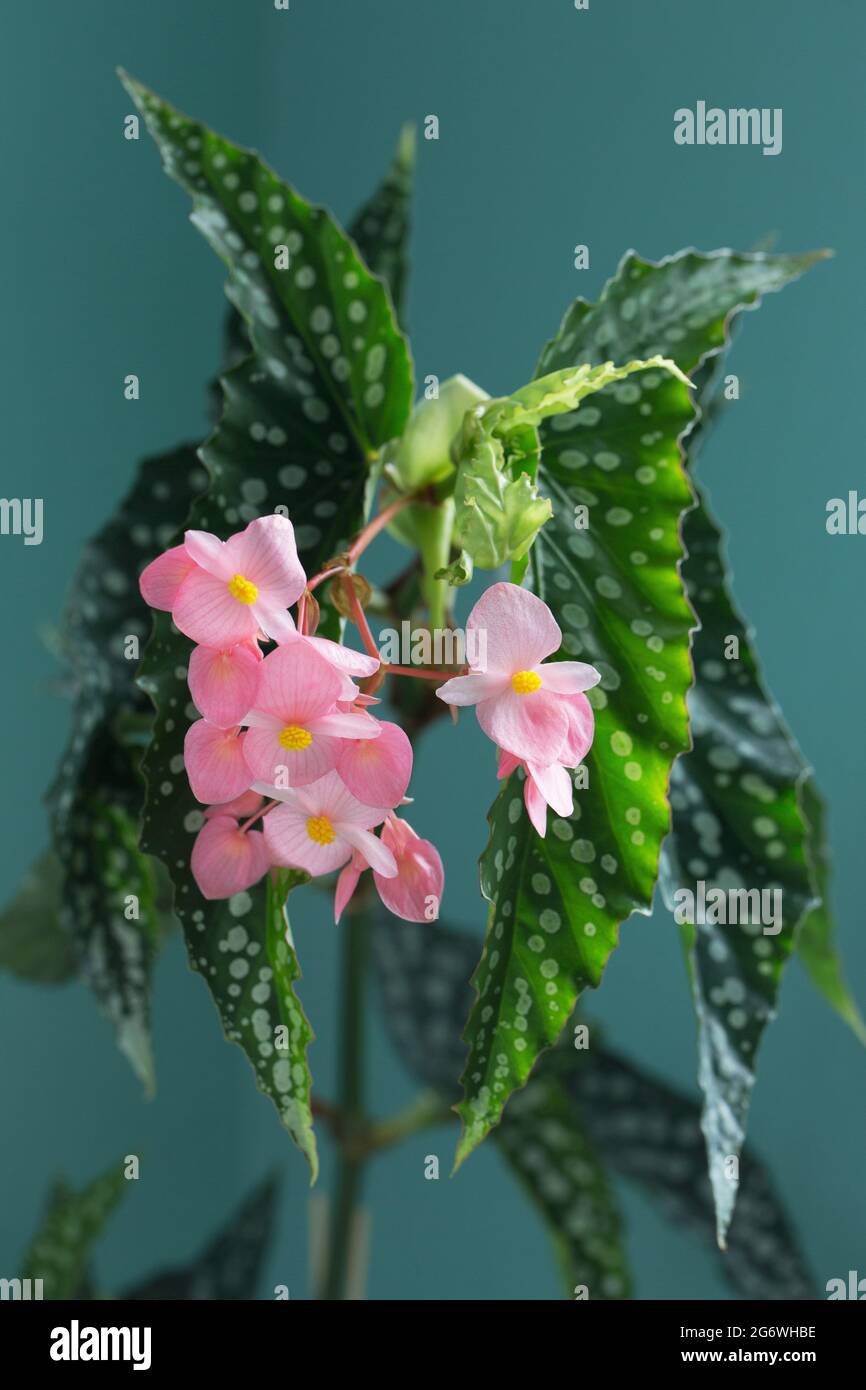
(60, 1252)
(651, 1135)
(549, 1152)
(33, 944)
(230, 1265)
(381, 228)
(744, 827)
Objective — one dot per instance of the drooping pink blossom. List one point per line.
(295, 732)
(415, 892)
(220, 593)
(318, 827)
(377, 771)
(545, 785)
(517, 693)
(215, 762)
(223, 683)
(225, 859)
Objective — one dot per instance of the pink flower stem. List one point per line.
(258, 815)
(359, 617)
(421, 673)
(378, 524)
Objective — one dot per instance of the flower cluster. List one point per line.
(287, 740)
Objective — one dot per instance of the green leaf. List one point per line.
(498, 510)
(60, 1251)
(559, 1170)
(33, 944)
(381, 228)
(230, 1265)
(556, 903)
(327, 385)
(344, 347)
(814, 942)
(297, 1114)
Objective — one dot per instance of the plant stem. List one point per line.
(350, 1100)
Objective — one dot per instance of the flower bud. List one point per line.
(423, 455)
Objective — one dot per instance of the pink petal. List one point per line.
(276, 622)
(352, 724)
(567, 677)
(554, 784)
(241, 808)
(215, 763)
(518, 629)
(345, 658)
(296, 684)
(377, 771)
(472, 689)
(160, 580)
(289, 843)
(377, 855)
(223, 684)
(226, 860)
(209, 553)
(416, 892)
(507, 763)
(206, 611)
(347, 883)
(266, 554)
(535, 805)
(268, 761)
(581, 728)
(530, 726)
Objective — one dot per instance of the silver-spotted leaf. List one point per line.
(60, 1251)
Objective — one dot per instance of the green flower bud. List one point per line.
(423, 455)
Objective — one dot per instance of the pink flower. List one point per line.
(215, 763)
(549, 784)
(223, 683)
(295, 732)
(519, 695)
(318, 827)
(415, 892)
(377, 771)
(220, 593)
(225, 859)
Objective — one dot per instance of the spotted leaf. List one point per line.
(381, 228)
(650, 1135)
(323, 327)
(682, 308)
(547, 1148)
(59, 1254)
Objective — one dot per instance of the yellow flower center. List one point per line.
(244, 590)
(320, 829)
(524, 682)
(294, 737)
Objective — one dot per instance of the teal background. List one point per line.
(556, 128)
